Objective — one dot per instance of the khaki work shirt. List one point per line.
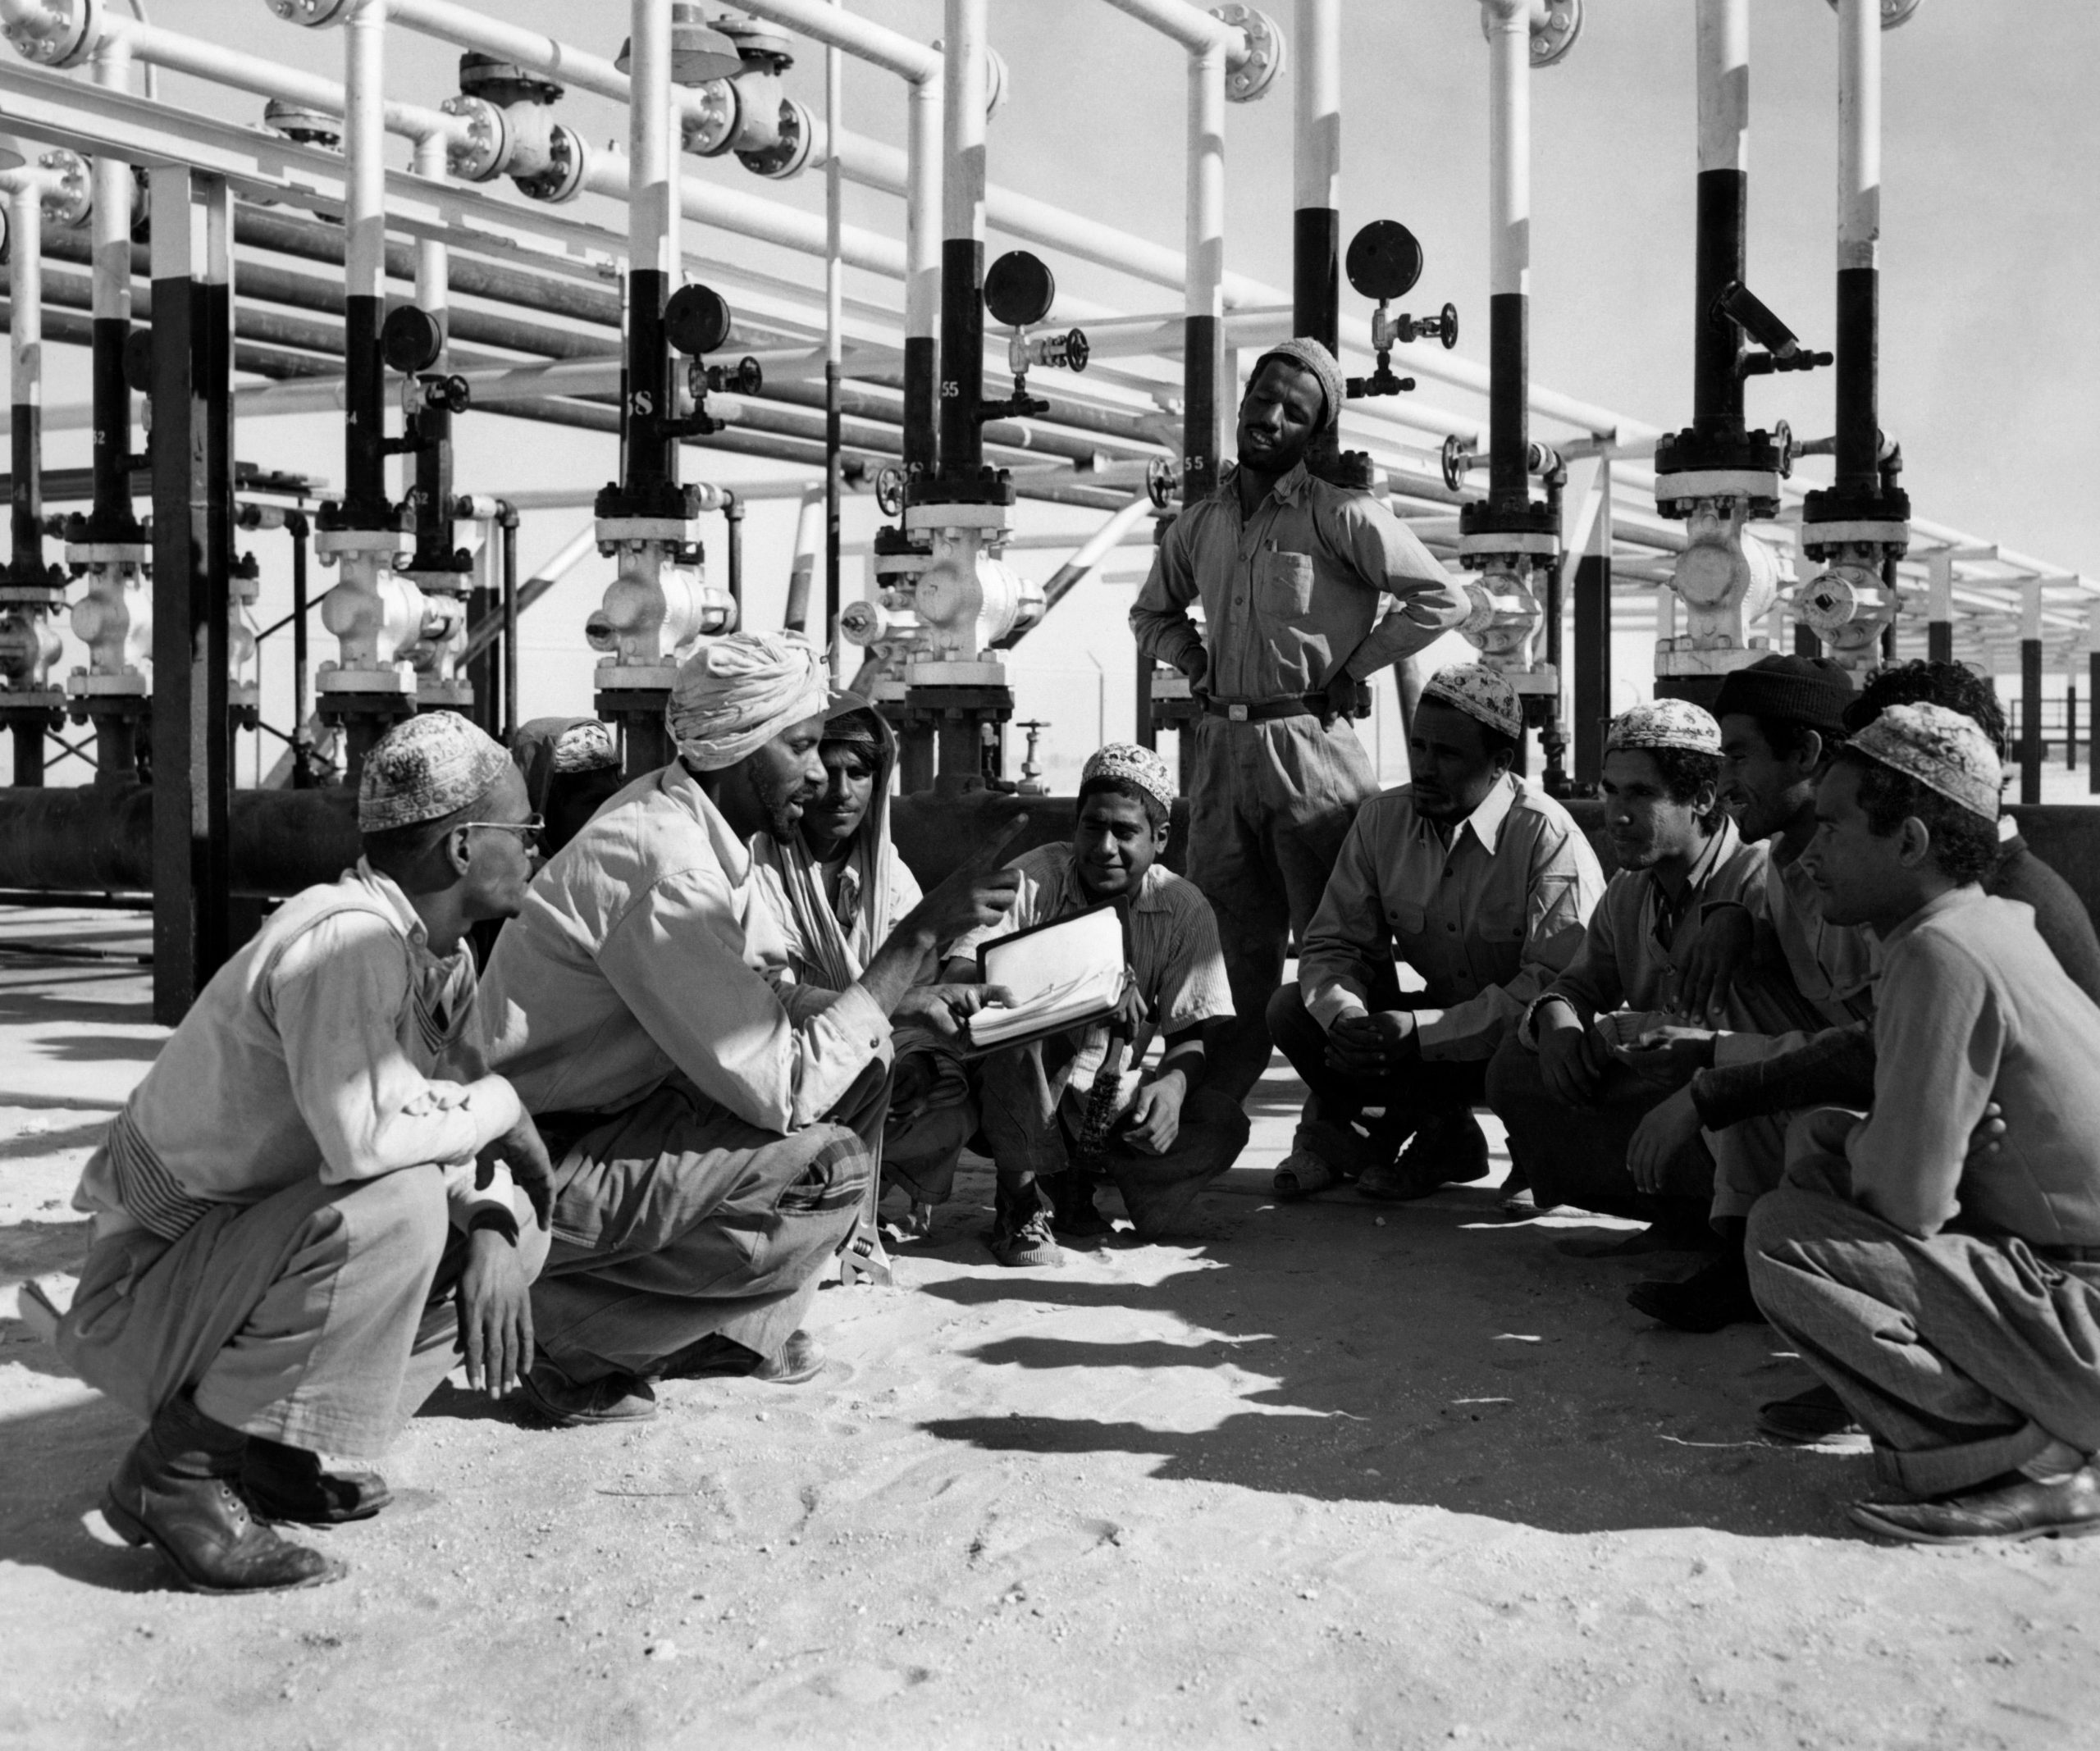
(1317, 581)
(1489, 916)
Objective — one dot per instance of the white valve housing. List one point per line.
(1728, 580)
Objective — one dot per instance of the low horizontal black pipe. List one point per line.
(99, 840)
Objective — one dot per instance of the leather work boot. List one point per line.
(1073, 1213)
(1020, 1236)
(1802, 1420)
(575, 1404)
(174, 1491)
(282, 1482)
(1450, 1149)
(1715, 1296)
(2008, 1510)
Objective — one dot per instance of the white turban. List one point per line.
(735, 693)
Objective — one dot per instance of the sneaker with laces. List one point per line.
(1020, 1236)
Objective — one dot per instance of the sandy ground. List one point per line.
(1324, 1475)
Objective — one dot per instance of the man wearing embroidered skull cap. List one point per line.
(1571, 1102)
(1951, 1298)
(319, 1194)
(715, 1120)
(1306, 589)
(1057, 1111)
(1483, 885)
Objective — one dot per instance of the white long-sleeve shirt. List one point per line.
(335, 1044)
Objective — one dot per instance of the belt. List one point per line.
(1263, 711)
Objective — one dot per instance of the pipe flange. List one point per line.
(303, 124)
(789, 155)
(568, 160)
(311, 13)
(708, 122)
(1893, 12)
(476, 153)
(1265, 53)
(71, 197)
(999, 82)
(1554, 27)
(53, 38)
(503, 82)
(758, 43)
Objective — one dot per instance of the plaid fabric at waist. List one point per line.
(159, 1201)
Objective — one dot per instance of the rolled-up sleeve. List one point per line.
(1564, 885)
(675, 958)
(336, 995)
(1159, 619)
(1388, 555)
(1348, 934)
(1591, 983)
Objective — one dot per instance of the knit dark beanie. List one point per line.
(1810, 692)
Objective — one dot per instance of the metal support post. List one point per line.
(1593, 640)
(1316, 160)
(2030, 691)
(193, 528)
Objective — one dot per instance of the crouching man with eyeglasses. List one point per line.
(318, 1198)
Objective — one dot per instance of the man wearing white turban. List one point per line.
(714, 1121)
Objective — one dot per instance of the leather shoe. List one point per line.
(282, 1482)
(1451, 1149)
(801, 1358)
(1716, 1296)
(2006, 1510)
(1816, 1414)
(173, 1491)
(574, 1404)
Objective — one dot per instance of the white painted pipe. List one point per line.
(922, 207)
(652, 193)
(1204, 217)
(110, 220)
(1858, 134)
(1723, 49)
(25, 191)
(962, 194)
(433, 260)
(364, 150)
(1509, 147)
(1317, 144)
(1190, 26)
(1090, 552)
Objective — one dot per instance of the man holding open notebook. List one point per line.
(1062, 1106)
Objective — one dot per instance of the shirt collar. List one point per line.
(1289, 488)
(397, 902)
(1952, 900)
(1072, 897)
(1486, 821)
(1719, 849)
(730, 852)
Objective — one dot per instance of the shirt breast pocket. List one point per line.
(1406, 920)
(1286, 581)
(1501, 927)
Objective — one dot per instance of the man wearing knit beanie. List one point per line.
(1782, 723)
(1949, 1297)
(1306, 590)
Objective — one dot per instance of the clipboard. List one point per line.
(1036, 962)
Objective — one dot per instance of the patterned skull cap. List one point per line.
(586, 746)
(1308, 354)
(1943, 750)
(1481, 693)
(1128, 763)
(1665, 723)
(426, 769)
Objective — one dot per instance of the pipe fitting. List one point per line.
(1847, 607)
(657, 606)
(28, 646)
(51, 35)
(795, 133)
(567, 168)
(313, 13)
(1554, 25)
(1503, 617)
(967, 601)
(115, 620)
(1893, 12)
(1728, 580)
(1249, 76)
(303, 124)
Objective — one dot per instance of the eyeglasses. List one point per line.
(530, 831)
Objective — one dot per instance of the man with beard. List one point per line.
(1306, 590)
(1481, 884)
(1559, 1083)
(1060, 1111)
(843, 888)
(1950, 1300)
(713, 1120)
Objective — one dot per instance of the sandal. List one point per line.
(1301, 1174)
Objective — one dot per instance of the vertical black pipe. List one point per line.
(1806, 643)
(365, 504)
(1199, 403)
(512, 716)
(2031, 720)
(1716, 343)
(26, 494)
(1859, 419)
(433, 492)
(1509, 433)
(111, 519)
(302, 743)
(963, 356)
(1939, 641)
(1316, 275)
(1147, 737)
(733, 514)
(921, 395)
(1592, 667)
(2092, 713)
(831, 497)
(651, 459)
(2071, 725)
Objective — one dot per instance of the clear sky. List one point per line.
(1989, 248)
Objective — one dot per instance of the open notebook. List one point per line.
(1062, 975)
